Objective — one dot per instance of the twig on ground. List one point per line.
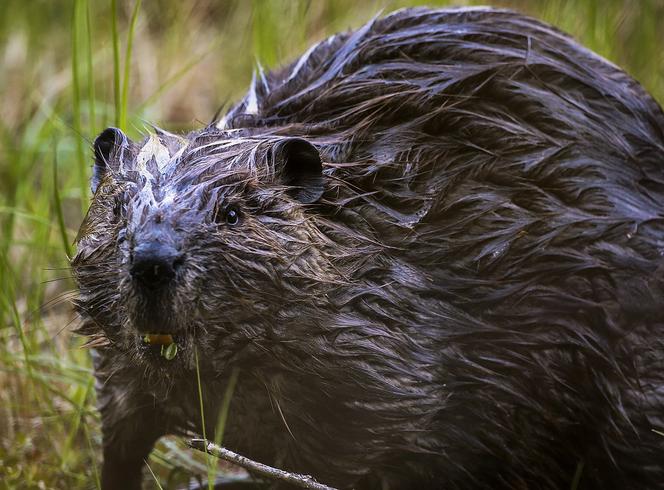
(303, 481)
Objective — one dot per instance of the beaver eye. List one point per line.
(232, 216)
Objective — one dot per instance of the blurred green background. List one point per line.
(69, 69)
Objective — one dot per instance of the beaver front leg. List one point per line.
(132, 422)
(128, 439)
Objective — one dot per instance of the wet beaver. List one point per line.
(433, 247)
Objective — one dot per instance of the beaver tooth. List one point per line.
(158, 339)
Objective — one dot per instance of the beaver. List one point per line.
(432, 248)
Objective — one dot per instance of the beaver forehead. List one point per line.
(178, 204)
(188, 181)
(165, 204)
(155, 157)
(212, 157)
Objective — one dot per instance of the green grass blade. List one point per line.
(225, 406)
(264, 29)
(577, 476)
(95, 468)
(116, 63)
(127, 65)
(80, 396)
(58, 205)
(91, 80)
(156, 480)
(223, 418)
(76, 102)
(209, 459)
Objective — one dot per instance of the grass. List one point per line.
(70, 69)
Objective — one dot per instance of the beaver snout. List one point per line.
(154, 264)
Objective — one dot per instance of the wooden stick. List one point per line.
(303, 481)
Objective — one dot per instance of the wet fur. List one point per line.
(476, 301)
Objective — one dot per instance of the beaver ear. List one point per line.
(299, 166)
(108, 148)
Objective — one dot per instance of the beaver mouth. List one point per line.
(164, 345)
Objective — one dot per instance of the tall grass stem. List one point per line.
(127, 66)
(116, 63)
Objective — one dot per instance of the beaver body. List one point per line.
(432, 248)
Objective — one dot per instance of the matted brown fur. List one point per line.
(467, 294)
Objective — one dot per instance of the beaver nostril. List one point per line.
(154, 264)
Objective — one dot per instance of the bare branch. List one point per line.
(303, 481)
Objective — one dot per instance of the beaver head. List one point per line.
(196, 242)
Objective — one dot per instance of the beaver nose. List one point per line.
(154, 264)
